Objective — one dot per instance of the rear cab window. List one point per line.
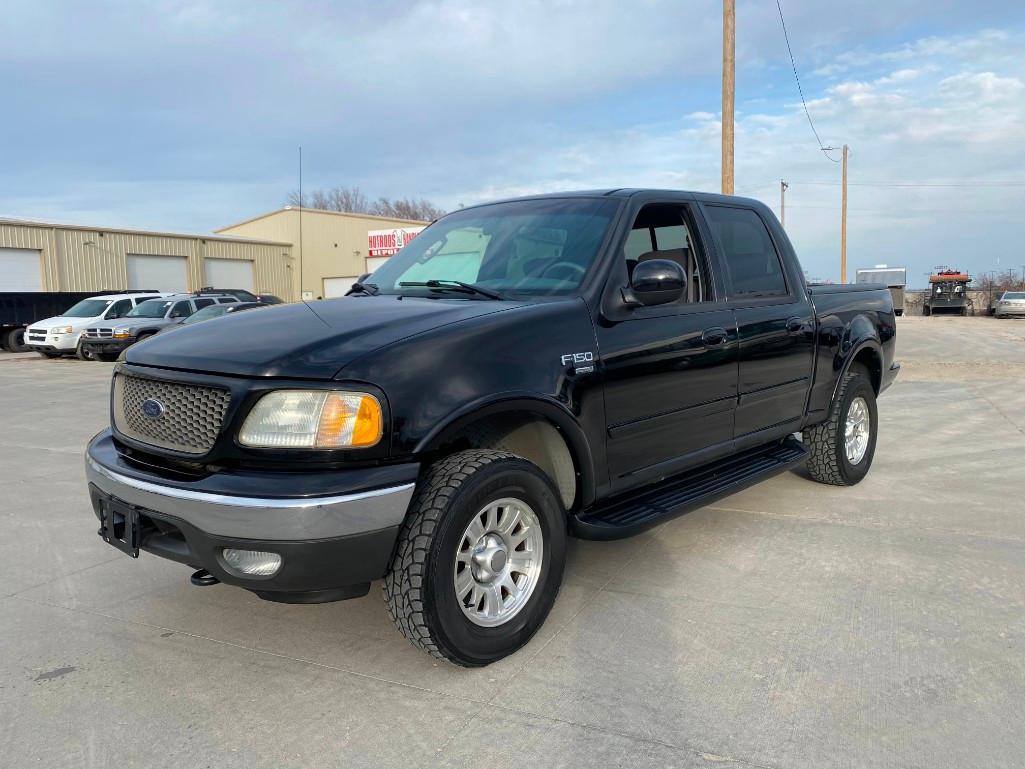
(753, 266)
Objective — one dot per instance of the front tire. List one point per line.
(843, 446)
(479, 560)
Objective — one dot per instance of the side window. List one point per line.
(181, 309)
(660, 231)
(751, 259)
(201, 303)
(226, 300)
(119, 309)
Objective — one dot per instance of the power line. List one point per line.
(916, 184)
(786, 37)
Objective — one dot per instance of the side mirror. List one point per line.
(657, 281)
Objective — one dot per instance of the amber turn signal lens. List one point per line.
(349, 420)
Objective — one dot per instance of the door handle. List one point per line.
(794, 325)
(714, 336)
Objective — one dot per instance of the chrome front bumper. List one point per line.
(290, 518)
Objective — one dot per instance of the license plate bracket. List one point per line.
(119, 526)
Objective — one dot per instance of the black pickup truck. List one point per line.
(588, 364)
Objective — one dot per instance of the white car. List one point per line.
(60, 335)
(1012, 303)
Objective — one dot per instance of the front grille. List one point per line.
(99, 332)
(184, 417)
(37, 336)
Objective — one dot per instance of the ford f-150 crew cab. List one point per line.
(588, 364)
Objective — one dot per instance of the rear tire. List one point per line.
(926, 311)
(838, 455)
(441, 566)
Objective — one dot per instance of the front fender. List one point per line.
(520, 403)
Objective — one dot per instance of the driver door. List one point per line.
(671, 370)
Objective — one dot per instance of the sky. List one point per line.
(186, 116)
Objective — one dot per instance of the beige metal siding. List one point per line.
(333, 244)
(84, 259)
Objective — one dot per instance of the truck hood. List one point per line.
(303, 341)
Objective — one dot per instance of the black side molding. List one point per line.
(630, 514)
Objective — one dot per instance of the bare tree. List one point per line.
(352, 200)
(408, 208)
(347, 199)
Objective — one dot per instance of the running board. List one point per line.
(631, 514)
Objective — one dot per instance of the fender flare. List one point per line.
(855, 349)
(518, 403)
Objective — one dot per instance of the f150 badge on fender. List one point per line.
(582, 362)
(576, 358)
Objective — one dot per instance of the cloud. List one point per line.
(186, 115)
(954, 126)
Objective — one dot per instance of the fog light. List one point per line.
(253, 562)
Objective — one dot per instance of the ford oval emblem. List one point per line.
(152, 408)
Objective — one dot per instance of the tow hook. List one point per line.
(202, 578)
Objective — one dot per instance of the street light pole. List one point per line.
(729, 46)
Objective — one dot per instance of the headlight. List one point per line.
(306, 419)
(61, 330)
(122, 333)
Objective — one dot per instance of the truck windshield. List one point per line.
(532, 247)
(152, 308)
(88, 308)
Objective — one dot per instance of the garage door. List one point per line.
(337, 286)
(158, 273)
(228, 273)
(20, 269)
(375, 262)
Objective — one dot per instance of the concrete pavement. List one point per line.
(791, 625)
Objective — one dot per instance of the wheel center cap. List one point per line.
(498, 561)
(489, 558)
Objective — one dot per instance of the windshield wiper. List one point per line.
(454, 285)
(370, 289)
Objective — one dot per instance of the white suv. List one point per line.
(60, 335)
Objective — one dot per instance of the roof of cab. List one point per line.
(624, 192)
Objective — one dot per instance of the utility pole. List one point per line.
(843, 222)
(783, 186)
(729, 61)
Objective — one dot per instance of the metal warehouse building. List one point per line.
(38, 256)
(335, 249)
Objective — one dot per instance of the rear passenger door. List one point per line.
(775, 322)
